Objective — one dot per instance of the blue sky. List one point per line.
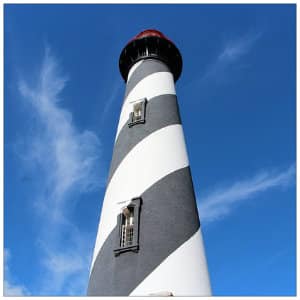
(237, 97)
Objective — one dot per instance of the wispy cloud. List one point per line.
(221, 201)
(114, 94)
(230, 54)
(277, 255)
(224, 67)
(68, 163)
(235, 49)
(67, 157)
(10, 288)
(66, 263)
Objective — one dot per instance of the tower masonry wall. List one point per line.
(150, 162)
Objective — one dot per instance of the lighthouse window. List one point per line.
(127, 227)
(137, 116)
(137, 111)
(128, 224)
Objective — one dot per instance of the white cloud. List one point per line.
(230, 54)
(67, 157)
(221, 201)
(67, 270)
(226, 64)
(234, 49)
(113, 96)
(10, 288)
(66, 163)
(13, 289)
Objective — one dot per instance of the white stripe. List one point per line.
(156, 156)
(153, 85)
(183, 273)
(133, 68)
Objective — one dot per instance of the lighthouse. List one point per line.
(149, 240)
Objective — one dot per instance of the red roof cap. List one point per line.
(150, 32)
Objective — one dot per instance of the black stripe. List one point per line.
(168, 218)
(147, 67)
(161, 111)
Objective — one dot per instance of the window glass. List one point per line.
(138, 114)
(127, 229)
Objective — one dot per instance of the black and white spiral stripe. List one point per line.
(150, 160)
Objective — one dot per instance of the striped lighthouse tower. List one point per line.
(149, 238)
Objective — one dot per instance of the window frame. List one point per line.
(135, 204)
(142, 120)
